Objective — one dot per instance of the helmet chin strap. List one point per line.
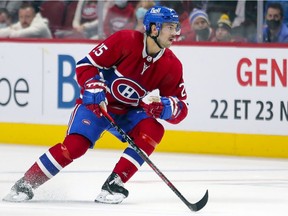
(155, 40)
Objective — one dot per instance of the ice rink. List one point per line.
(237, 186)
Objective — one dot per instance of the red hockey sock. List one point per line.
(35, 176)
(125, 169)
(55, 159)
(147, 134)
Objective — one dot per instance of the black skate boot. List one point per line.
(21, 191)
(113, 191)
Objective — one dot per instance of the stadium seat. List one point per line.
(54, 11)
(69, 14)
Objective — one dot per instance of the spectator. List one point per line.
(215, 9)
(120, 16)
(30, 25)
(183, 8)
(142, 8)
(223, 30)
(242, 13)
(85, 20)
(140, 13)
(12, 7)
(5, 19)
(284, 4)
(200, 25)
(276, 30)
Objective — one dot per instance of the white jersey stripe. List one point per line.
(53, 161)
(136, 164)
(44, 170)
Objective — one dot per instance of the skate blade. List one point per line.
(16, 197)
(107, 198)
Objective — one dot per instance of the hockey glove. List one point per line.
(94, 95)
(162, 107)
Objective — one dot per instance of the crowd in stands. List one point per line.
(215, 21)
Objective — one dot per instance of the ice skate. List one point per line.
(20, 192)
(113, 191)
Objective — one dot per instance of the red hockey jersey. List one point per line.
(130, 72)
(119, 19)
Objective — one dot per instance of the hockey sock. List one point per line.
(55, 159)
(146, 135)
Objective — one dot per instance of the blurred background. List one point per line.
(241, 21)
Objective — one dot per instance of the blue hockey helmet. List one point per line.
(159, 15)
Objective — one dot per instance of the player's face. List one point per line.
(167, 34)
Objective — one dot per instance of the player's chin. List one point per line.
(169, 43)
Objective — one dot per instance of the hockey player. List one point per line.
(119, 74)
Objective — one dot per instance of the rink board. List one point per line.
(173, 141)
(237, 103)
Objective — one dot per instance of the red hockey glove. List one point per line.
(162, 107)
(94, 95)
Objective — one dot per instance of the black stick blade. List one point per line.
(200, 204)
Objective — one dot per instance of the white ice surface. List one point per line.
(237, 186)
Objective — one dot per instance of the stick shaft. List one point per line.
(193, 207)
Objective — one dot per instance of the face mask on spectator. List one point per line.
(203, 33)
(273, 24)
(121, 3)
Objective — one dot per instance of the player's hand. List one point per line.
(94, 95)
(161, 107)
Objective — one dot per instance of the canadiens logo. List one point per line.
(86, 122)
(149, 58)
(127, 91)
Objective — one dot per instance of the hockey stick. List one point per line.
(192, 206)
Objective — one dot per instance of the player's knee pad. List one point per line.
(75, 145)
(147, 134)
